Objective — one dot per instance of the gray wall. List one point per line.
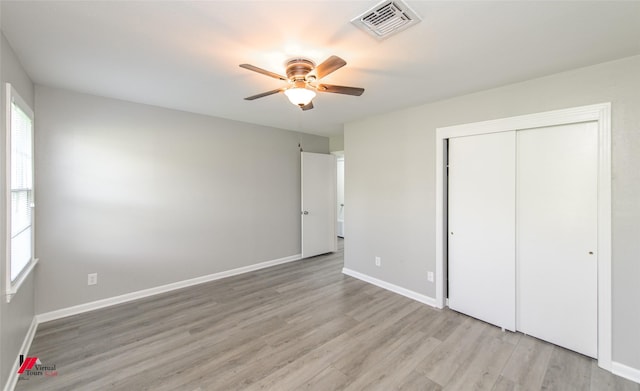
(336, 143)
(146, 196)
(15, 317)
(390, 181)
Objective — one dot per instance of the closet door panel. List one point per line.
(481, 218)
(557, 235)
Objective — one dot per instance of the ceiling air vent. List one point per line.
(386, 19)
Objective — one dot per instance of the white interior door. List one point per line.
(482, 227)
(557, 235)
(318, 204)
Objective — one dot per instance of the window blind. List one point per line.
(21, 172)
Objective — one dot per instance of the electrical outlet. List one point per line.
(430, 276)
(92, 278)
(378, 261)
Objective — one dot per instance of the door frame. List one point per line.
(339, 157)
(601, 113)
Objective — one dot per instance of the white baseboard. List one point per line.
(78, 309)
(10, 385)
(622, 370)
(391, 287)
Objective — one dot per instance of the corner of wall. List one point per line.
(17, 317)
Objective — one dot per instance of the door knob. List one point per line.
(305, 212)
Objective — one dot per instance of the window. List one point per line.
(20, 192)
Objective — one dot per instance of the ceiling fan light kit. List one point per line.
(302, 74)
(300, 96)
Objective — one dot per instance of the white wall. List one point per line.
(146, 196)
(15, 317)
(390, 181)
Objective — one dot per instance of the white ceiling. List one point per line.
(185, 54)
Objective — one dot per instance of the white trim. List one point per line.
(598, 112)
(333, 237)
(622, 370)
(440, 219)
(12, 380)
(605, 302)
(94, 305)
(391, 287)
(529, 121)
(11, 287)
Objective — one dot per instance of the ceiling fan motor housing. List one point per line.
(298, 68)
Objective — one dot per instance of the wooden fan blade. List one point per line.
(329, 65)
(263, 94)
(263, 71)
(340, 89)
(308, 106)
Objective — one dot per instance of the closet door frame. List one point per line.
(601, 113)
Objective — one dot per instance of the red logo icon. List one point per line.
(27, 364)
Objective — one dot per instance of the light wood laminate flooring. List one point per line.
(298, 326)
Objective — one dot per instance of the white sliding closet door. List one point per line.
(482, 227)
(557, 235)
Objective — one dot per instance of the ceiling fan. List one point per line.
(302, 75)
